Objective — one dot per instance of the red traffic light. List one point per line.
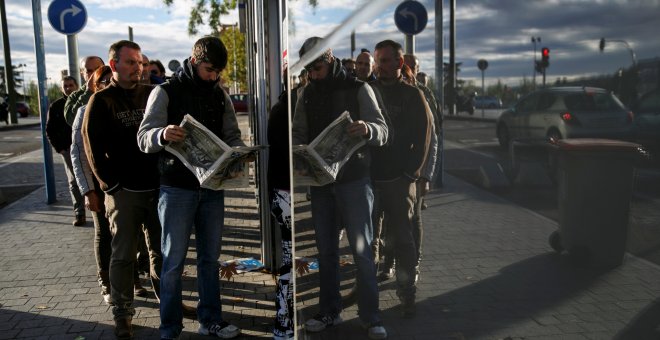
(545, 52)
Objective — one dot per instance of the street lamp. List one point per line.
(534, 41)
(601, 46)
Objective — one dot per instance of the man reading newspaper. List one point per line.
(182, 202)
(331, 92)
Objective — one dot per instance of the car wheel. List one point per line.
(503, 135)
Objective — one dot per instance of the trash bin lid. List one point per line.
(596, 144)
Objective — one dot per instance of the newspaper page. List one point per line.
(319, 162)
(216, 165)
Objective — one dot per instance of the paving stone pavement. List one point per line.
(488, 272)
(48, 287)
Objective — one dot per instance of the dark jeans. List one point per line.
(417, 228)
(396, 201)
(102, 237)
(129, 212)
(76, 197)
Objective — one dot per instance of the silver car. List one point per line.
(566, 112)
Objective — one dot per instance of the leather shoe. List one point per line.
(408, 308)
(79, 221)
(123, 329)
(388, 272)
(138, 290)
(189, 311)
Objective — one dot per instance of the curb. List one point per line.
(469, 118)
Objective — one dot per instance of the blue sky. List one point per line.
(497, 30)
(160, 31)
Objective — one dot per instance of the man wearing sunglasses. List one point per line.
(332, 91)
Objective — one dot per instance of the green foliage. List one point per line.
(207, 12)
(236, 70)
(54, 93)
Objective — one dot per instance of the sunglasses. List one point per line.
(104, 81)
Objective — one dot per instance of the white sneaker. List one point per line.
(377, 331)
(320, 322)
(222, 330)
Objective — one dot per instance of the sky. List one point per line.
(499, 31)
(160, 31)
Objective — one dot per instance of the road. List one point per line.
(473, 154)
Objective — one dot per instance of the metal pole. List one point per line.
(534, 66)
(43, 100)
(483, 93)
(72, 54)
(410, 44)
(130, 33)
(9, 71)
(439, 89)
(452, 57)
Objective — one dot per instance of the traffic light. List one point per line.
(545, 57)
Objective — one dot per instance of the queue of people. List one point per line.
(112, 133)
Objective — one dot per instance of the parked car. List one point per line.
(487, 102)
(463, 104)
(647, 121)
(566, 112)
(23, 109)
(239, 100)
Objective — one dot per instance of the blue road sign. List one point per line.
(67, 16)
(410, 17)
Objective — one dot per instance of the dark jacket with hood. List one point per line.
(186, 93)
(322, 101)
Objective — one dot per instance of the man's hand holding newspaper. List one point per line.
(216, 165)
(319, 162)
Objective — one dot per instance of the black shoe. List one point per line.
(79, 221)
(388, 272)
(123, 329)
(138, 290)
(408, 308)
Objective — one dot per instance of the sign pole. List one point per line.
(43, 100)
(410, 44)
(72, 54)
(483, 93)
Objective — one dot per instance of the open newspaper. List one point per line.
(216, 165)
(319, 162)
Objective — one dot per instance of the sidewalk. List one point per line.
(48, 287)
(488, 272)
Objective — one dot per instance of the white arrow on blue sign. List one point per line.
(410, 17)
(67, 16)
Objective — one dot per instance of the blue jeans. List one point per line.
(179, 209)
(351, 203)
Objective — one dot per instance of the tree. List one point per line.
(236, 70)
(18, 79)
(54, 93)
(209, 11)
